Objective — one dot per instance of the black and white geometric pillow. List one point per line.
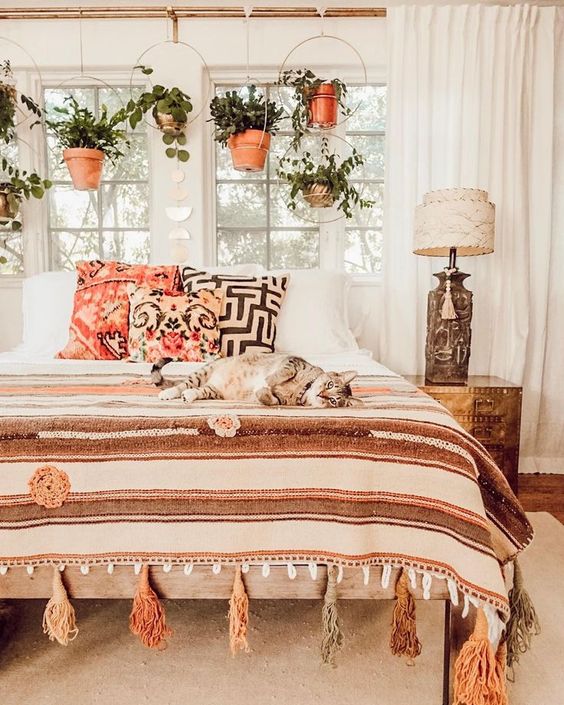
(250, 307)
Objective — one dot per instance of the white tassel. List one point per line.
(453, 591)
(188, 568)
(29, 570)
(426, 585)
(167, 567)
(339, 573)
(313, 570)
(447, 312)
(84, 569)
(292, 572)
(366, 574)
(3, 569)
(110, 568)
(466, 607)
(245, 568)
(386, 573)
(61, 567)
(412, 575)
(137, 568)
(265, 570)
(216, 568)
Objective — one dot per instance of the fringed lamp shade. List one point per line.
(462, 218)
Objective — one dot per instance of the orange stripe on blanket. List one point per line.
(121, 390)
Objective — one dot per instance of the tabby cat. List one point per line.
(268, 378)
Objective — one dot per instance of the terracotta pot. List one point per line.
(249, 150)
(319, 196)
(7, 210)
(167, 124)
(85, 166)
(323, 108)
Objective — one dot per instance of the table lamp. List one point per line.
(450, 223)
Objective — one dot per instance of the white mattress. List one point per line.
(19, 363)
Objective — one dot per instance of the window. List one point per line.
(253, 224)
(11, 242)
(112, 222)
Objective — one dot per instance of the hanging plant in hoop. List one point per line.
(170, 108)
(15, 186)
(318, 101)
(9, 103)
(245, 125)
(323, 184)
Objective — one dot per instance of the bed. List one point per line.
(101, 482)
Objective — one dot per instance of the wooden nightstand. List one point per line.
(490, 409)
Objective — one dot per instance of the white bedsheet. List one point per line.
(20, 363)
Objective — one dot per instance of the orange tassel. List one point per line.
(238, 615)
(478, 678)
(59, 620)
(403, 639)
(147, 618)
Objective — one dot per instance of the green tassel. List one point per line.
(523, 623)
(332, 640)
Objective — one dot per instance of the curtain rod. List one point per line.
(180, 11)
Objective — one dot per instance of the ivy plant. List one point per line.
(78, 127)
(301, 172)
(233, 114)
(167, 101)
(8, 104)
(305, 82)
(18, 184)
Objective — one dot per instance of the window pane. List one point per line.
(134, 165)
(125, 205)
(241, 247)
(57, 168)
(55, 98)
(116, 98)
(282, 216)
(363, 251)
(372, 149)
(11, 247)
(72, 209)
(294, 249)
(241, 205)
(369, 106)
(68, 247)
(133, 246)
(369, 217)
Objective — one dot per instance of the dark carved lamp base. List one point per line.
(447, 350)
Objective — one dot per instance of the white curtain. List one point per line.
(473, 97)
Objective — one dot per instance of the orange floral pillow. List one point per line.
(183, 328)
(100, 318)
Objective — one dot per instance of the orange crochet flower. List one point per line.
(49, 487)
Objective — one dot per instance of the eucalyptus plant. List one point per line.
(302, 172)
(78, 127)
(234, 113)
(162, 101)
(305, 82)
(17, 185)
(8, 103)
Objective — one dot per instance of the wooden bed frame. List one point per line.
(203, 584)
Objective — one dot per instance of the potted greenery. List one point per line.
(317, 100)
(170, 108)
(8, 103)
(245, 125)
(325, 184)
(87, 140)
(15, 185)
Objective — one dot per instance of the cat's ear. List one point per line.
(348, 376)
(354, 401)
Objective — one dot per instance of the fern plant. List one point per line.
(17, 185)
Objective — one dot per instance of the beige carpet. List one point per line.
(107, 665)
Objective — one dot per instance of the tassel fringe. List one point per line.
(59, 619)
(403, 638)
(479, 677)
(523, 622)
(238, 615)
(147, 618)
(332, 640)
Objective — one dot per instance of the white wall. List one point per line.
(115, 46)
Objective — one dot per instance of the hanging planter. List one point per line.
(317, 101)
(87, 141)
(245, 125)
(15, 186)
(170, 108)
(324, 184)
(9, 104)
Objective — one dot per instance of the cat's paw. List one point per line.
(189, 396)
(170, 393)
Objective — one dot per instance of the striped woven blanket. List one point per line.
(96, 469)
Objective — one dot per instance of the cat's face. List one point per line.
(332, 390)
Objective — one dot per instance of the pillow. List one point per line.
(184, 328)
(314, 317)
(100, 317)
(249, 311)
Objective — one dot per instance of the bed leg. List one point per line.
(457, 631)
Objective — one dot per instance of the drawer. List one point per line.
(487, 430)
(487, 403)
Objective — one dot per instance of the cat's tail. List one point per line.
(156, 374)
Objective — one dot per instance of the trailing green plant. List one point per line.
(232, 114)
(162, 101)
(302, 172)
(18, 185)
(305, 82)
(8, 103)
(78, 127)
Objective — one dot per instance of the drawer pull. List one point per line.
(482, 432)
(483, 406)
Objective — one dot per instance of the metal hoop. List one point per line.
(37, 71)
(337, 39)
(202, 60)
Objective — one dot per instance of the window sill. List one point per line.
(11, 281)
(371, 280)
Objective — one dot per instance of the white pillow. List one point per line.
(313, 319)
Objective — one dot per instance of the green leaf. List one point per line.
(16, 225)
(37, 191)
(181, 139)
(168, 139)
(183, 155)
(170, 152)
